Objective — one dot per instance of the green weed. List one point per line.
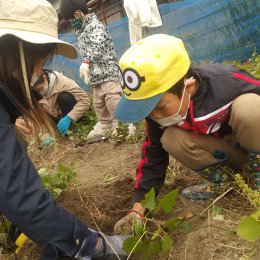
(58, 181)
(154, 236)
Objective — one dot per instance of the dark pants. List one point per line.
(66, 102)
(31, 208)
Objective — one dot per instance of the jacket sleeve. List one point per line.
(83, 101)
(154, 161)
(95, 36)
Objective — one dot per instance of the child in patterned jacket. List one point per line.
(99, 68)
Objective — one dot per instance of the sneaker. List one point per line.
(101, 132)
(202, 191)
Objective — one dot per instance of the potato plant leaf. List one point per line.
(173, 223)
(168, 201)
(131, 243)
(156, 234)
(150, 249)
(249, 229)
(167, 243)
(139, 229)
(186, 226)
(256, 215)
(149, 200)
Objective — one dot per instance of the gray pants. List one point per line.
(198, 152)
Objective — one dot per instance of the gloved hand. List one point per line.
(131, 130)
(48, 140)
(83, 71)
(125, 224)
(110, 247)
(64, 124)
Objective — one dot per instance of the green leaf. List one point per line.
(256, 215)
(173, 223)
(186, 226)
(150, 249)
(249, 229)
(109, 178)
(156, 234)
(138, 229)
(168, 201)
(217, 214)
(43, 171)
(131, 243)
(167, 243)
(57, 191)
(149, 200)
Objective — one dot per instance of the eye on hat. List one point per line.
(149, 68)
(34, 21)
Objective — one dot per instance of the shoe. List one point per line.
(200, 192)
(218, 177)
(101, 132)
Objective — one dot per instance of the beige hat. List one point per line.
(33, 21)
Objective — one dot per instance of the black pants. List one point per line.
(66, 102)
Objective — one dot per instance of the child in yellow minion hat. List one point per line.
(191, 113)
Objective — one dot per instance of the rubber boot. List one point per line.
(254, 166)
(218, 177)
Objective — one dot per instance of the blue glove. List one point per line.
(64, 124)
(48, 140)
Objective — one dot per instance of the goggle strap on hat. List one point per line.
(25, 78)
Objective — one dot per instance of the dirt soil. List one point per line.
(106, 175)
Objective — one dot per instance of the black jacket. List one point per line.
(209, 112)
(24, 201)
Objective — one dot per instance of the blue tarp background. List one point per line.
(214, 30)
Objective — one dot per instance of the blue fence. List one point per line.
(215, 30)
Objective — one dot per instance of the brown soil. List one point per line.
(104, 194)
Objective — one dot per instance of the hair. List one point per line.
(177, 88)
(69, 7)
(11, 77)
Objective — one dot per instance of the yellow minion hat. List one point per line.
(148, 69)
(160, 62)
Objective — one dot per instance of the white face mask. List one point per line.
(176, 118)
(41, 88)
(34, 80)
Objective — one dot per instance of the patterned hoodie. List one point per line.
(95, 45)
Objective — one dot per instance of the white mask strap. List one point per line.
(25, 79)
(183, 94)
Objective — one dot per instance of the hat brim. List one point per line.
(132, 111)
(63, 48)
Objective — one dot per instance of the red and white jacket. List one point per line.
(209, 113)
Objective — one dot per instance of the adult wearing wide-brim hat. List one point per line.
(28, 37)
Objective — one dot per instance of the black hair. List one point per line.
(69, 7)
(177, 88)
